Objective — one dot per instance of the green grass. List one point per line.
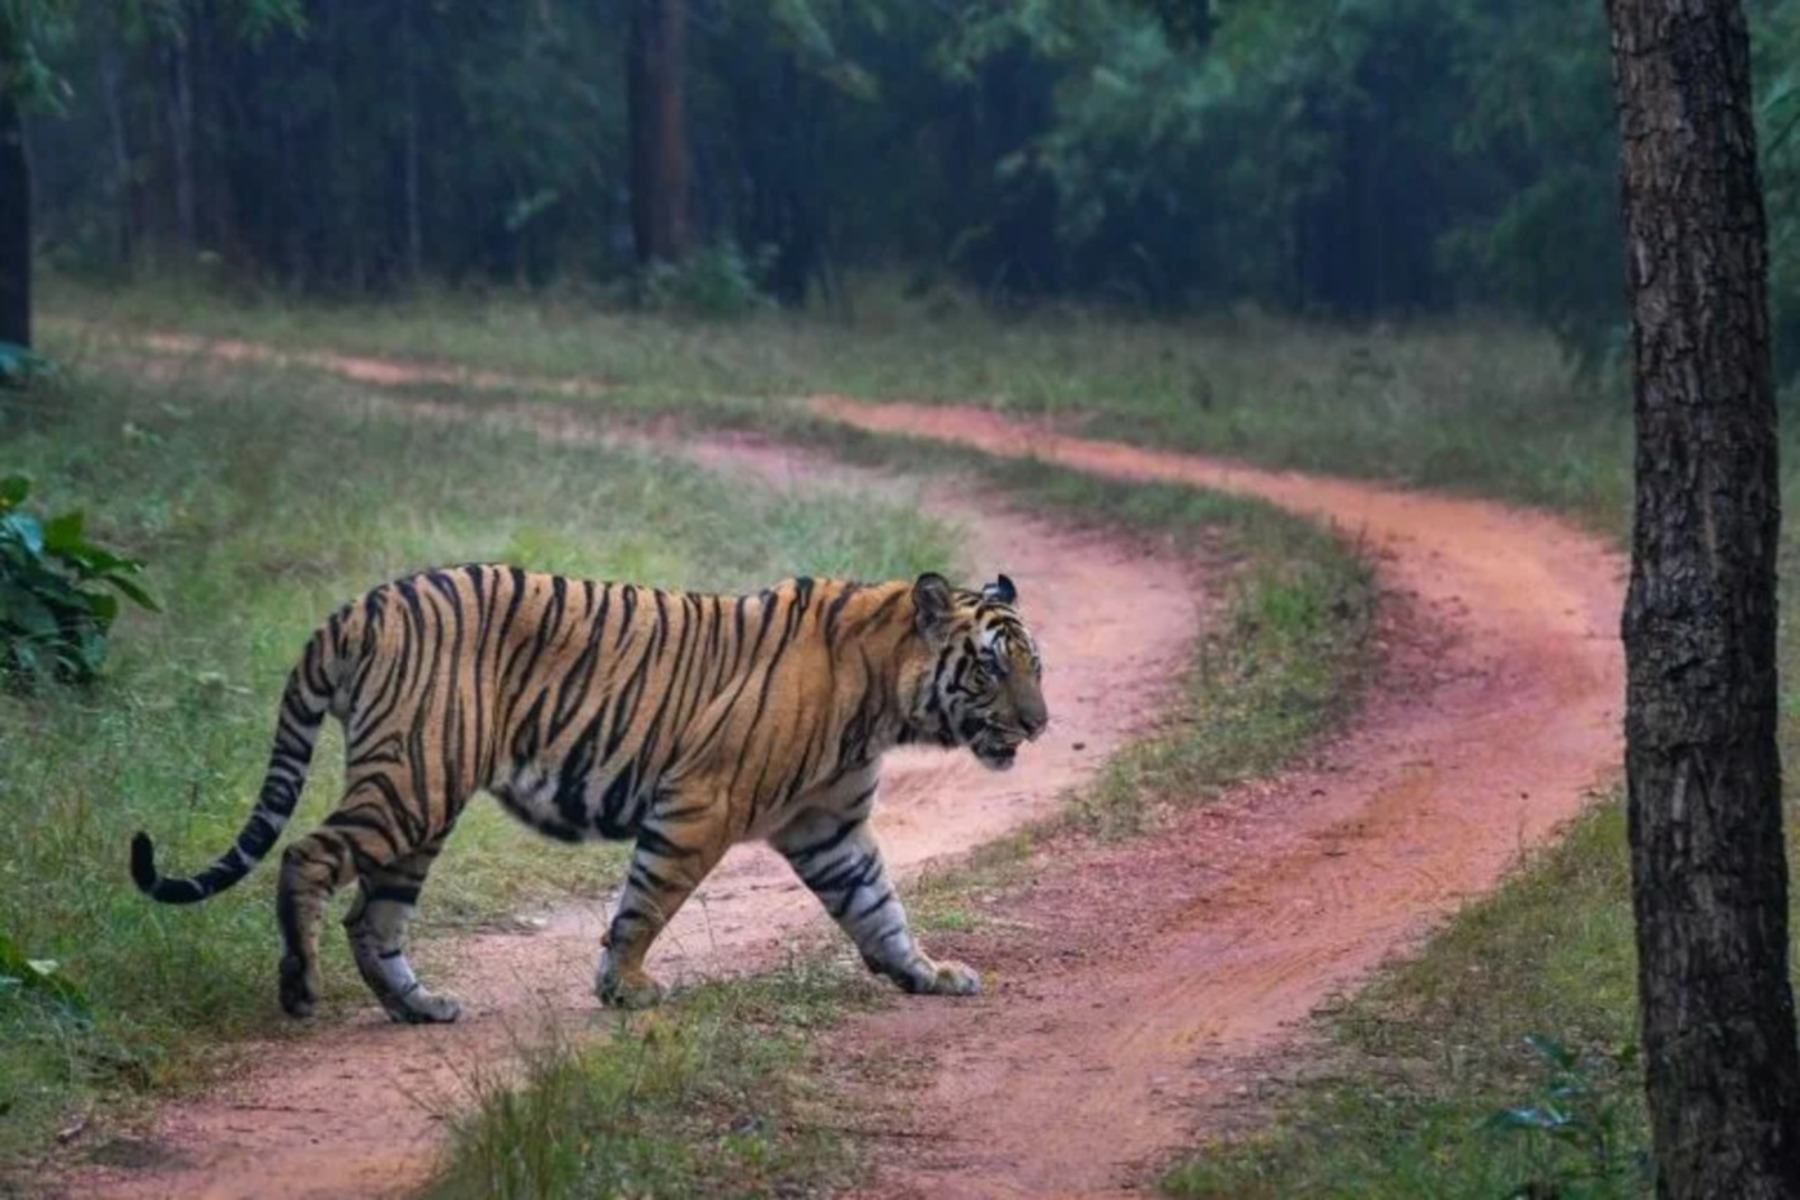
(1476, 406)
(709, 1096)
(261, 502)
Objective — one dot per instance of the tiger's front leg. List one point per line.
(838, 858)
(675, 850)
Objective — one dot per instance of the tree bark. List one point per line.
(15, 226)
(180, 112)
(654, 92)
(415, 236)
(1709, 872)
(124, 190)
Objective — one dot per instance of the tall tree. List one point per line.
(655, 89)
(15, 225)
(24, 80)
(1709, 872)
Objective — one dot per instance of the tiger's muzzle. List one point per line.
(997, 745)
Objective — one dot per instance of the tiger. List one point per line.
(682, 721)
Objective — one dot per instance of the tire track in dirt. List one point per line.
(1164, 972)
(356, 1106)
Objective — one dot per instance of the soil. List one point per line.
(1142, 989)
(1135, 989)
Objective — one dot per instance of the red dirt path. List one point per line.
(1148, 982)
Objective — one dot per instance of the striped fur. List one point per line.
(687, 722)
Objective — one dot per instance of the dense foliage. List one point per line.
(1360, 158)
(54, 617)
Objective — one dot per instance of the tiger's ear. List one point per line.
(1001, 589)
(931, 603)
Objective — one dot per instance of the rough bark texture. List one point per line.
(654, 87)
(1709, 873)
(15, 227)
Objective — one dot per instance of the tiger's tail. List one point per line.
(304, 703)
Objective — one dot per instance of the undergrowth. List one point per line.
(711, 1095)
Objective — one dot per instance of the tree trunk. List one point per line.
(654, 69)
(15, 226)
(124, 190)
(1709, 872)
(415, 236)
(181, 140)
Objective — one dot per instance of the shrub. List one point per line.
(53, 620)
(718, 283)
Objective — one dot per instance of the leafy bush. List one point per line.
(53, 622)
(718, 282)
(37, 977)
(19, 365)
(1578, 1107)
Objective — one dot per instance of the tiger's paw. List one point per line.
(299, 988)
(626, 989)
(946, 978)
(953, 978)
(421, 1007)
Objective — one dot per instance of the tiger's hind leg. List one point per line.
(376, 925)
(362, 838)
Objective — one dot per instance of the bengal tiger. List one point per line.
(687, 722)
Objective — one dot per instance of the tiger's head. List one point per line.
(984, 690)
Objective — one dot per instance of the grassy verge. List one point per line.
(1477, 406)
(709, 1096)
(257, 519)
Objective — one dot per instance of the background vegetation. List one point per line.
(1349, 158)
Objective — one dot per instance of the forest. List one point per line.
(1370, 408)
(1355, 159)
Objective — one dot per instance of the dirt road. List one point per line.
(1139, 985)
(1149, 982)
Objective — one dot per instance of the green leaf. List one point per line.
(25, 529)
(13, 490)
(41, 975)
(53, 620)
(20, 362)
(27, 613)
(25, 658)
(1552, 1051)
(63, 534)
(134, 593)
(104, 606)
